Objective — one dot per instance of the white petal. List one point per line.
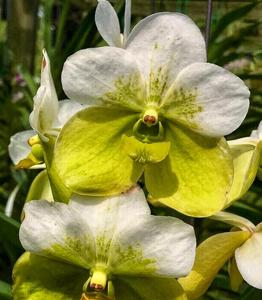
(57, 231)
(107, 23)
(104, 215)
(208, 99)
(45, 102)
(154, 245)
(105, 75)
(164, 44)
(67, 108)
(249, 260)
(257, 134)
(127, 19)
(19, 147)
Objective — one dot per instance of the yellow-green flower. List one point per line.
(242, 247)
(157, 109)
(111, 247)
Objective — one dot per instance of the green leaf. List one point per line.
(9, 230)
(89, 154)
(37, 277)
(231, 17)
(5, 291)
(195, 177)
(211, 255)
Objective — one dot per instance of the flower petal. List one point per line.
(195, 177)
(211, 255)
(37, 277)
(208, 99)
(164, 44)
(153, 246)
(89, 156)
(249, 260)
(40, 188)
(127, 19)
(45, 102)
(56, 231)
(105, 75)
(107, 23)
(19, 148)
(124, 210)
(67, 109)
(246, 154)
(132, 288)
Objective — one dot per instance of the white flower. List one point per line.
(47, 118)
(159, 88)
(112, 237)
(246, 154)
(249, 255)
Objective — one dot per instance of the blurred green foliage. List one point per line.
(63, 27)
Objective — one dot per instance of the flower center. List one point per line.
(150, 117)
(98, 280)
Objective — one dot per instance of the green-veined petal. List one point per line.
(153, 246)
(89, 154)
(195, 177)
(105, 75)
(55, 230)
(208, 99)
(211, 255)
(163, 45)
(40, 278)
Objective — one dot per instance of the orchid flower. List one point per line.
(157, 109)
(46, 119)
(110, 247)
(242, 247)
(247, 157)
(108, 24)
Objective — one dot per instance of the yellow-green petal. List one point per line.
(211, 255)
(135, 288)
(246, 154)
(89, 154)
(236, 278)
(145, 153)
(40, 188)
(195, 177)
(39, 278)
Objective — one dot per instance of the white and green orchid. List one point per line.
(247, 157)
(109, 246)
(156, 108)
(242, 247)
(47, 118)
